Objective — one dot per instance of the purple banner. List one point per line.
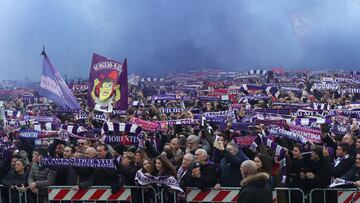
(108, 87)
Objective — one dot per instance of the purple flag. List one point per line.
(108, 87)
(53, 86)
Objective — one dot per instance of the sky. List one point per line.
(161, 36)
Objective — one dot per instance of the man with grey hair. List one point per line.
(253, 185)
(184, 169)
(192, 144)
(203, 173)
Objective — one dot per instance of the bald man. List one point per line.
(253, 185)
(90, 153)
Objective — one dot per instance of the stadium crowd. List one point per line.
(303, 135)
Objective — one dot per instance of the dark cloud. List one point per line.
(162, 36)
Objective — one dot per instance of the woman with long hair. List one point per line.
(263, 163)
(163, 167)
(148, 167)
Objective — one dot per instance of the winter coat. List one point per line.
(342, 167)
(85, 177)
(253, 189)
(206, 180)
(42, 176)
(14, 179)
(107, 177)
(65, 175)
(230, 175)
(320, 169)
(352, 175)
(296, 166)
(127, 173)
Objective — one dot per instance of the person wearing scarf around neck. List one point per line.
(163, 167)
(343, 162)
(184, 171)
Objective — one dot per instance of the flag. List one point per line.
(54, 88)
(108, 85)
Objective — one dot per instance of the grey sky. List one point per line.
(160, 36)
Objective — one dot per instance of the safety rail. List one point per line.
(160, 195)
(98, 193)
(279, 194)
(225, 194)
(12, 195)
(342, 195)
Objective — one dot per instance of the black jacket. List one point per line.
(85, 177)
(342, 167)
(230, 175)
(127, 173)
(353, 174)
(253, 189)
(207, 179)
(107, 177)
(65, 175)
(321, 170)
(14, 179)
(296, 166)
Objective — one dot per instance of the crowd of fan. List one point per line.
(192, 156)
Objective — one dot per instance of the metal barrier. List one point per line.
(12, 195)
(277, 195)
(225, 194)
(339, 195)
(231, 194)
(98, 193)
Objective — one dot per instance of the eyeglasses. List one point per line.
(81, 143)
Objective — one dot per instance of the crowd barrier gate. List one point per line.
(97, 193)
(287, 194)
(225, 194)
(231, 194)
(343, 195)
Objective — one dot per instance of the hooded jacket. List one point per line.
(254, 190)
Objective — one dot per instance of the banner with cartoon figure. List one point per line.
(108, 87)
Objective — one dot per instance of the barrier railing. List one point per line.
(282, 194)
(225, 194)
(99, 193)
(231, 194)
(150, 194)
(339, 195)
(12, 195)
